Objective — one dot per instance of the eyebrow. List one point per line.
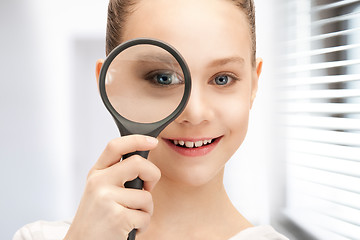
(224, 61)
(163, 58)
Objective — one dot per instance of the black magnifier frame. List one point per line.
(128, 127)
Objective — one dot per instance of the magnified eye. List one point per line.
(222, 80)
(162, 78)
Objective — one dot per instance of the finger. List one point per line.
(138, 220)
(131, 168)
(123, 145)
(134, 199)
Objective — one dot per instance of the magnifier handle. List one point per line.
(137, 183)
(132, 235)
(144, 154)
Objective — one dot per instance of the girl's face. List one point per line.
(214, 38)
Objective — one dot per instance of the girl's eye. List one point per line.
(221, 80)
(224, 80)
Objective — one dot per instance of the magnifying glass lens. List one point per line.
(144, 83)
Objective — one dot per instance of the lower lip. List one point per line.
(193, 152)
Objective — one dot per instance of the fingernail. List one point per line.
(152, 140)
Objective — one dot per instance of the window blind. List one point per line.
(319, 88)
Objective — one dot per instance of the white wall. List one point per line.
(53, 125)
(38, 114)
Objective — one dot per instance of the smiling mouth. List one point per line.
(190, 144)
(193, 144)
(193, 147)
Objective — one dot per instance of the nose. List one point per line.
(198, 109)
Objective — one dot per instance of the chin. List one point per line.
(194, 176)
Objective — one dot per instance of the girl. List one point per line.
(184, 196)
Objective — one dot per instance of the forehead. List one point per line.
(201, 29)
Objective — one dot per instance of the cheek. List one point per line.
(234, 116)
(237, 114)
(238, 126)
(233, 107)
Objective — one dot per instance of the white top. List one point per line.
(42, 230)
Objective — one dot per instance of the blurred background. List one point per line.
(298, 169)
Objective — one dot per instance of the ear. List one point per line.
(98, 66)
(255, 80)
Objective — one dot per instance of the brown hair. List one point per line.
(118, 10)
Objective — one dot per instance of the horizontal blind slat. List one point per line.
(349, 16)
(324, 227)
(345, 182)
(322, 122)
(329, 108)
(333, 5)
(324, 136)
(319, 80)
(318, 66)
(331, 164)
(328, 208)
(322, 51)
(321, 94)
(324, 149)
(328, 193)
(312, 38)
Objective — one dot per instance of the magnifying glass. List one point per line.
(145, 84)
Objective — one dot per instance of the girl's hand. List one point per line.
(108, 210)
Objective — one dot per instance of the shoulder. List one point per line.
(43, 230)
(259, 233)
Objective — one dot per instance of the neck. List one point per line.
(180, 208)
(182, 199)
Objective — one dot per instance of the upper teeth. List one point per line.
(189, 144)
